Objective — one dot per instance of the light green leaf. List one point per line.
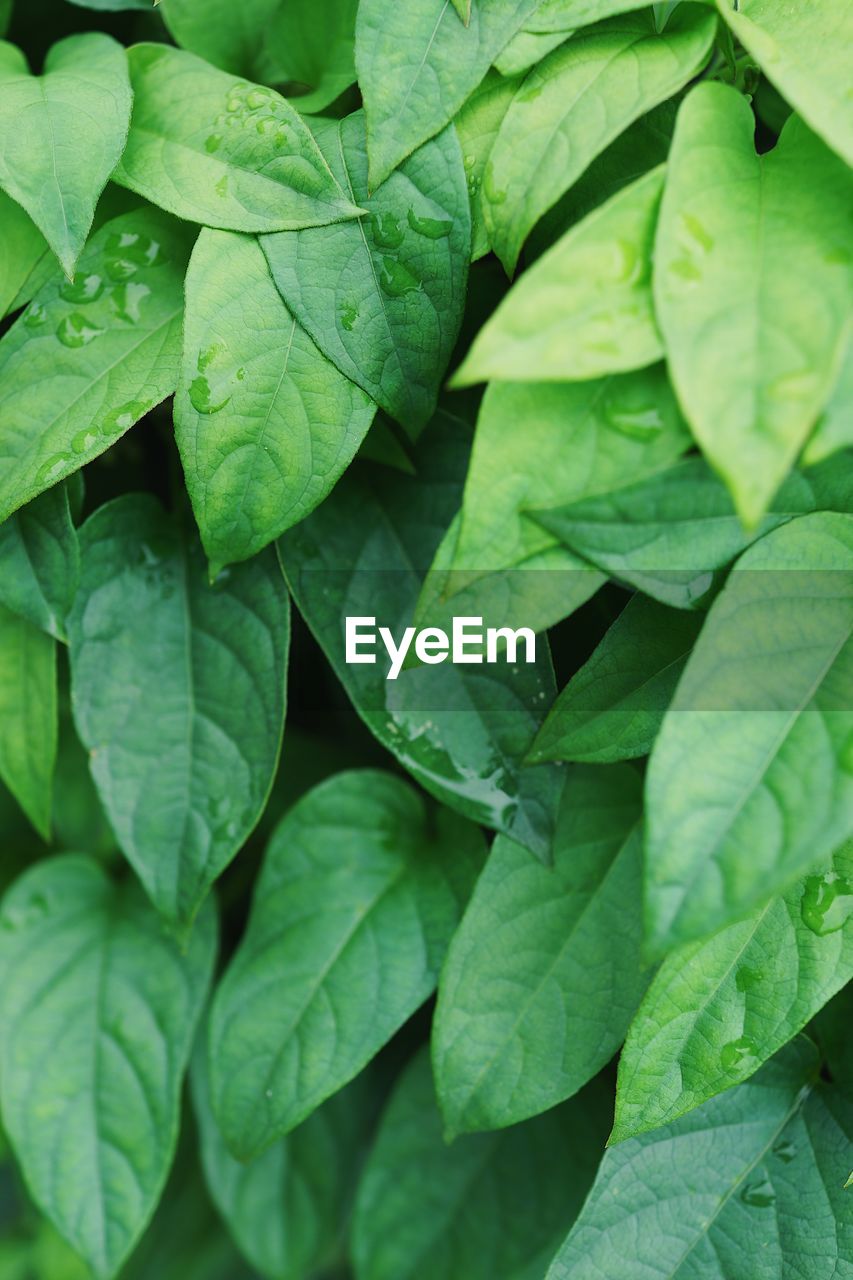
(802, 48)
(578, 440)
(287, 1209)
(561, 15)
(418, 64)
(359, 895)
(228, 34)
(182, 771)
(669, 534)
(24, 249)
(99, 1010)
(463, 8)
(612, 708)
(477, 125)
(214, 149)
(834, 430)
(40, 562)
(750, 781)
(576, 102)
(718, 1009)
(526, 48)
(774, 232)
(489, 1207)
(77, 110)
(584, 309)
(311, 45)
(534, 998)
(88, 359)
(754, 1179)
(28, 716)
(265, 423)
(461, 731)
(383, 297)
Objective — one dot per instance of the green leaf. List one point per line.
(99, 1010)
(585, 309)
(754, 752)
(526, 48)
(88, 359)
(287, 1209)
(534, 998)
(578, 440)
(489, 1207)
(754, 1178)
(265, 423)
(719, 1009)
(112, 6)
(772, 231)
(834, 428)
(311, 44)
(359, 895)
(228, 34)
(564, 15)
(77, 110)
(461, 731)
(383, 297)
(802, 48)
(40, 562)
(28, 716)
(576, 102)
(25, 249)
(668, 534)
(182, 771)
(612, 708)
(463, 8)
(418, 64)
(477, 125)
(214, 149)
(5, 14)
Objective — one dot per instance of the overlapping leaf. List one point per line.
(25, 249)
(40, 562)
(28, 716)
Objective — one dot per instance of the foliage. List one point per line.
(517, 970)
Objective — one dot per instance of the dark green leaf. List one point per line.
(28, 716)
(40, 562)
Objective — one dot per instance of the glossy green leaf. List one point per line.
(668, 534)
(526, 48)
(99, 1010)
(579, 440)
(218, 150)
(28, 716)
(584, 309)
(534, 998)
(24, 250)
(227, 34)
(802, 47)
(775, 229)
(834, 430)
(477, 125)
(182, 771)
(488, 1207)
(612, 708)
(88, 359)
(359, 895)
(287, 1208)
(418, 63)
(718, 1009)
(576, 102)
(750, 1184)
(310, 44)
(383, 297)
(264, 422)
(79, 107)
(40, 561)
(461, 731)
(561, 15)
(754, 752)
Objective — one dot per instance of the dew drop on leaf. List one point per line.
(759, 1193)
(736, 1052)
(827, 903)
(432, 228)
(76, 331)
(82, 289)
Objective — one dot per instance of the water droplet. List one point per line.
(785, 1150)
(759, 1193)
(53, 469)
(397, 280)
(257, 98)
(221, 187)
(35, 316)
(82, 289)
(213, 142)
(76, 331)
(638, 422)
(493, 193)
(85, 440)
(432, 228)
(127, 253)
(349, 315)
(827, 903)
(202, 399)
(747, 979)
(127, 300)
(696, 231)
(736, 1052)
(121, 419)
(387, 231)
(685, 269)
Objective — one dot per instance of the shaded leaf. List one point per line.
(28, 716)
(40, 562)
(25, 248)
